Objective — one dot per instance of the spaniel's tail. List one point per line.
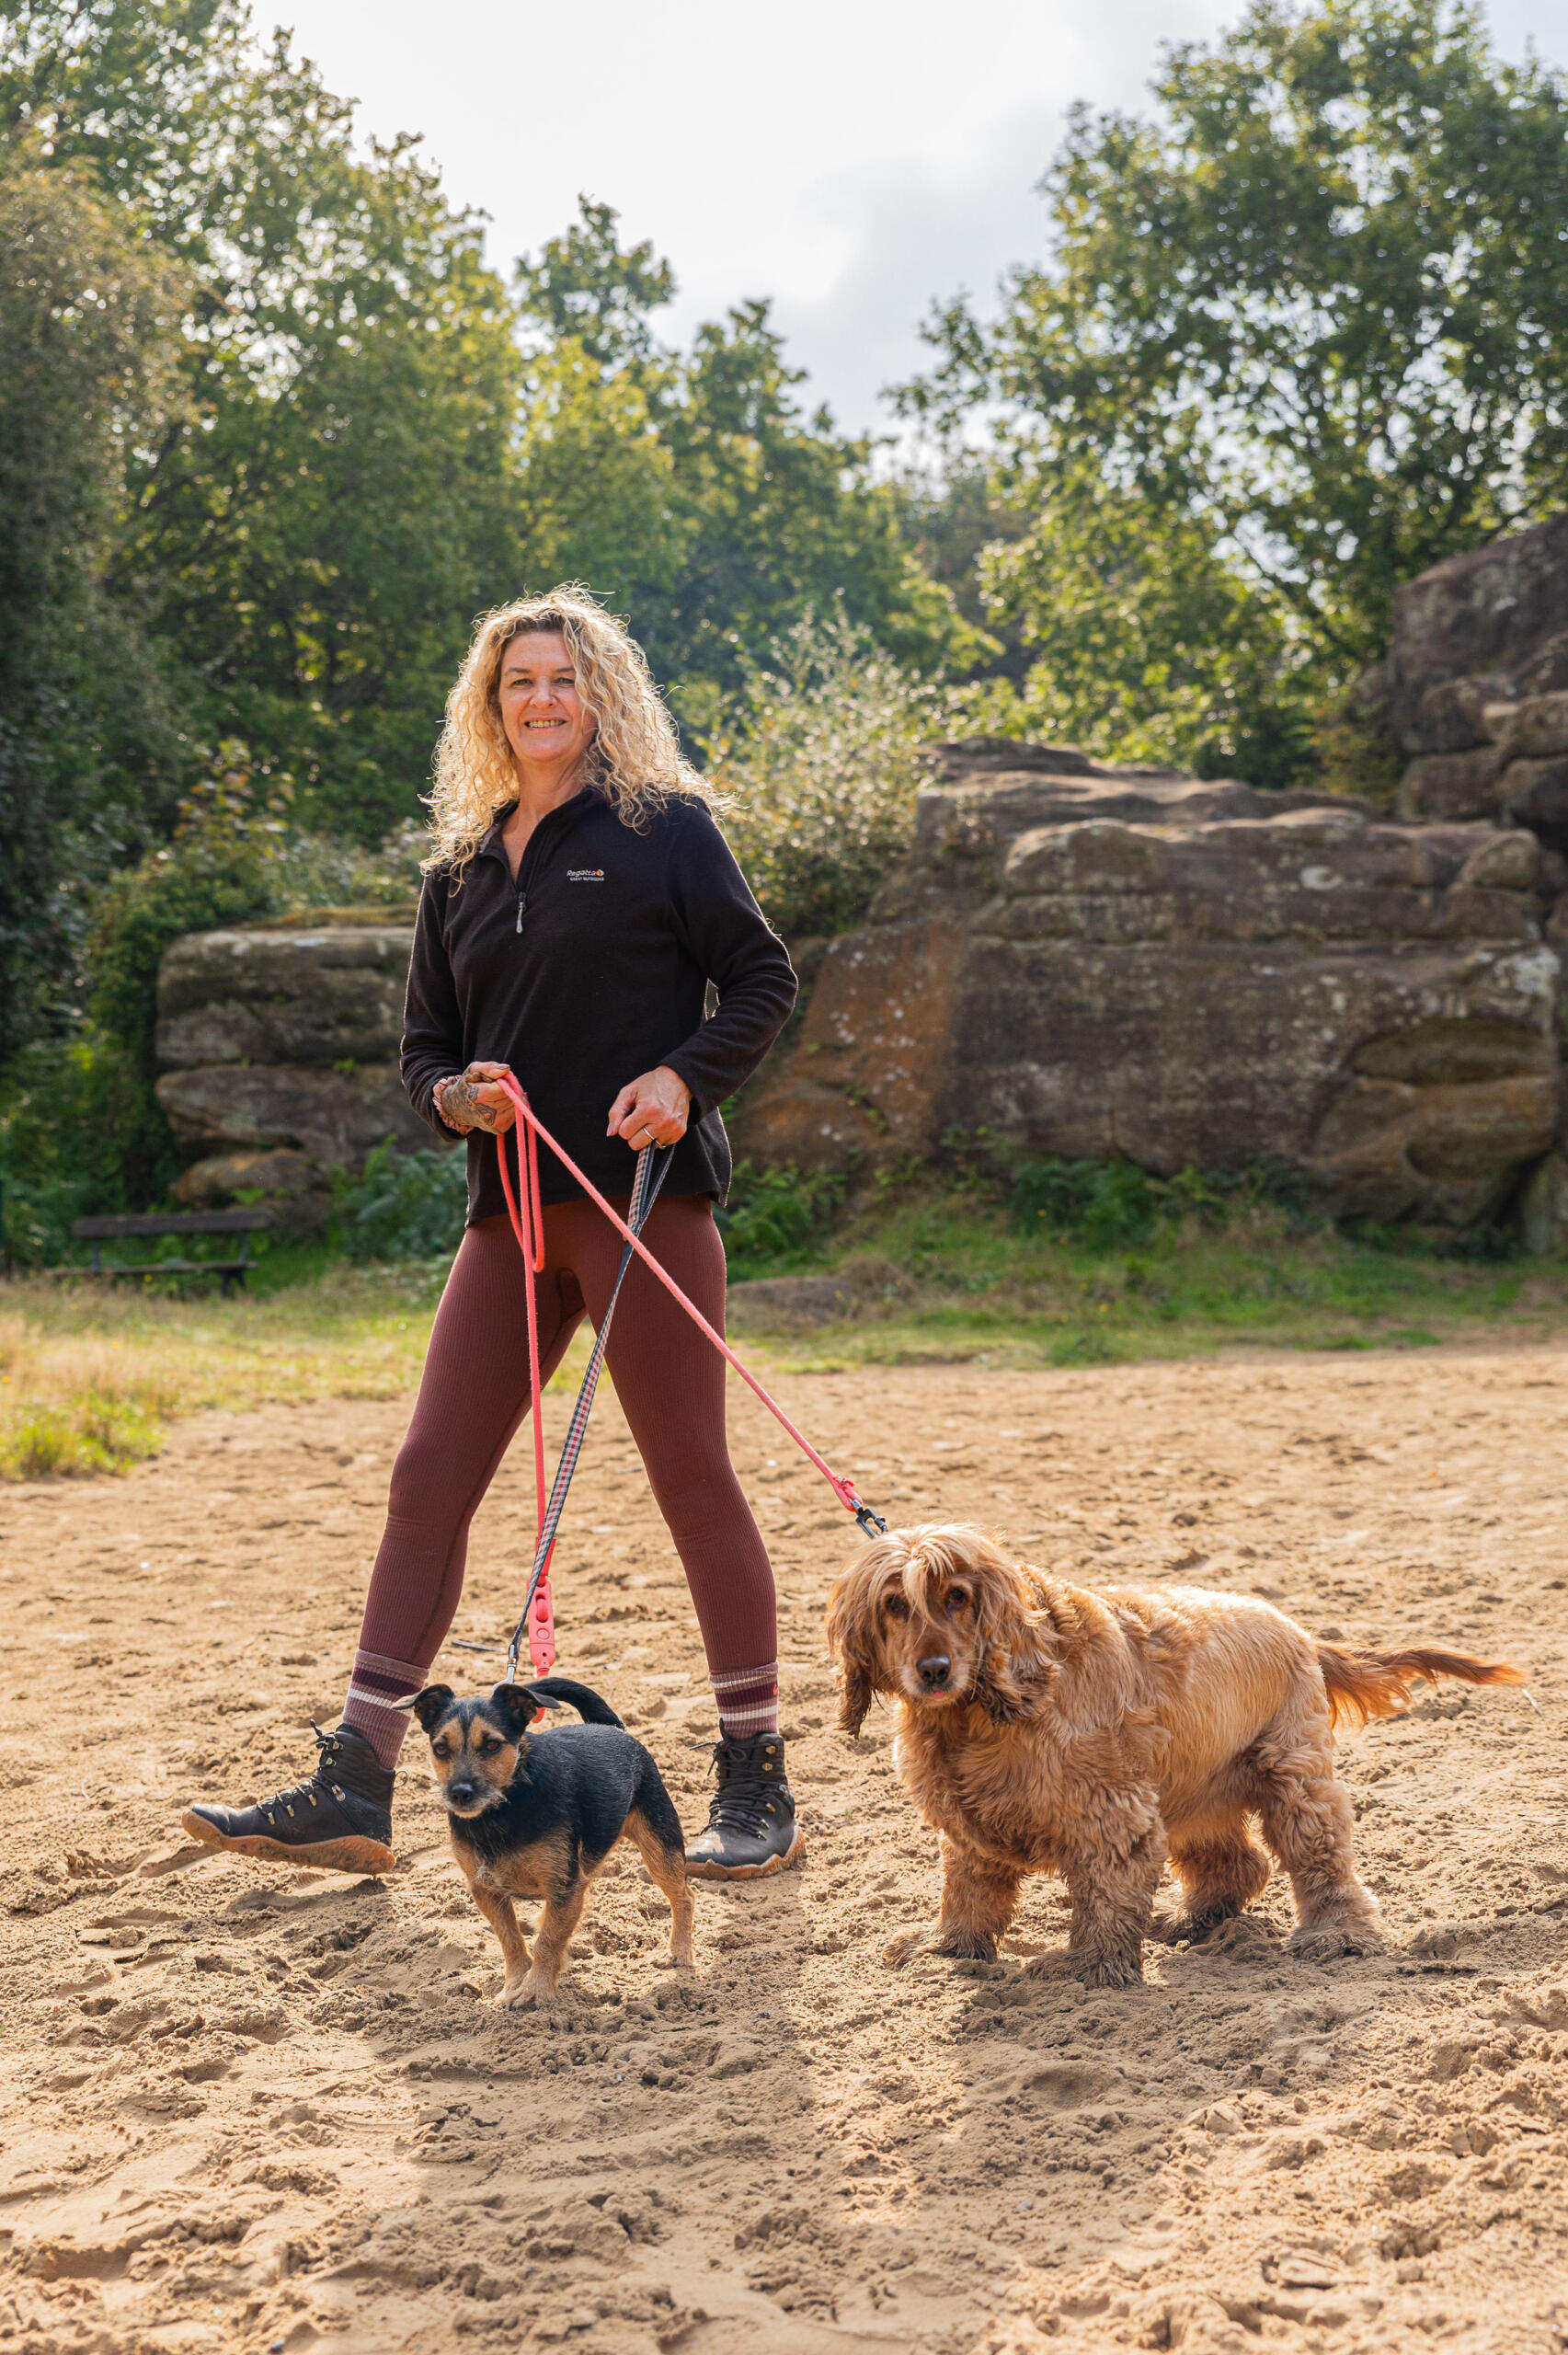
(1363, 1684)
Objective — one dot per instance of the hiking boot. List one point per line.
(751, 1827)
(341, 1818)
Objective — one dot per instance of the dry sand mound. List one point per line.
(245, 2107)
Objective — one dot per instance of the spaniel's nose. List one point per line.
(933, 1670)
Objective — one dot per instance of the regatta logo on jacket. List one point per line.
(585, 875)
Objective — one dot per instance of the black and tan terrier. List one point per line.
(537, 1815)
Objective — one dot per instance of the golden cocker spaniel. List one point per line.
(1044, 1728)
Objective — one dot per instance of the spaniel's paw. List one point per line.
(531, 1993)
(1175, 1929)
(1109, 1969)
(1091, 1967)
(957, 1946)
(1331, 1941)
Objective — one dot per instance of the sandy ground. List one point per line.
(245, 2107)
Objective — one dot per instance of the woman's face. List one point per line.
(545, 721)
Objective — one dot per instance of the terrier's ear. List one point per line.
(429, 1706)
(515, 1705)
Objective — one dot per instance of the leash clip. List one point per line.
(872, 1524)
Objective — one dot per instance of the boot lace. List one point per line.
(747, 1795)
(306, 1794)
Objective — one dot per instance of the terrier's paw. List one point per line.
(902, 1949)
(1331, 1941)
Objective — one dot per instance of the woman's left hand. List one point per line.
(652, 1109)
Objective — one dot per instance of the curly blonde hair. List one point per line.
(634, 758)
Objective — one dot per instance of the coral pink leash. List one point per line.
(526, 1212)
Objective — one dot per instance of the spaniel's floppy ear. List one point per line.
(851, 1639)
(1012, 1660)
(429, 1706)
(515, 1705)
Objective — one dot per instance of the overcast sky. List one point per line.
(854, 159)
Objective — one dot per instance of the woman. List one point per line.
(578, 903)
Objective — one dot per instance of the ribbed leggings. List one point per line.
(475, 1393)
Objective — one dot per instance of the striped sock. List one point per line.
(376, 1684)
(747, 1701)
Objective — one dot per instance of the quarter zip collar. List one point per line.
(491, 846)
(543, 833)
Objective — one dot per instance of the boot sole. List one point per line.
(706, 1871)
(354, 1855)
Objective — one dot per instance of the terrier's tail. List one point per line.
(1363, 1684)
(590, 1709)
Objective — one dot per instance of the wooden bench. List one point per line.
(229, 1272)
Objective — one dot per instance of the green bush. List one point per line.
(70, 1117)
(406, 1206)
(773, 1213)
(1115, 1206)
(218, 870)
(1104, 1205)
(81, 1128)
(823, 763)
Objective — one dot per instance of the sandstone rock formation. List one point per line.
(1474, 687)
(295, 994)
(280, 1044)
(1086, 961)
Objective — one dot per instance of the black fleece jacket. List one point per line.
(588, 970)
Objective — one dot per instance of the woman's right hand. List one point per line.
(475, 1100)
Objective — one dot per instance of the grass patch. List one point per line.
(92, 1375)
(942, 1271)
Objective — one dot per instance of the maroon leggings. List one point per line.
(474, 1394)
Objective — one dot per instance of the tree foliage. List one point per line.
(1311, 319)
(85, 311)
(316, 434)
(691, 489)
(1144, 641)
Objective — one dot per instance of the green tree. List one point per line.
(728, 514)
(587, 289)
(1316, 309)
(86, 314)
(311, 538)
(1144, 641)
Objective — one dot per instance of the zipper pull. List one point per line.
(521, 903)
